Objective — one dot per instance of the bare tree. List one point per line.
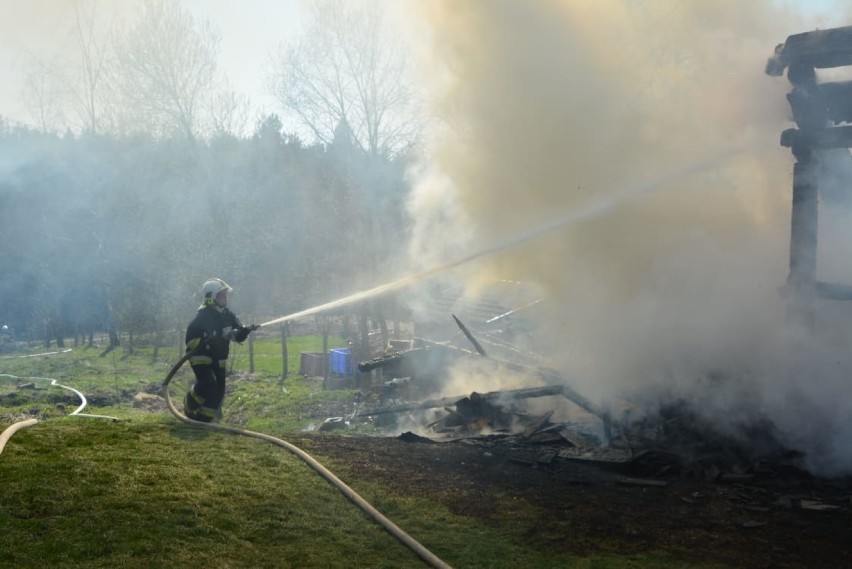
(68, 90)
(229, 111)
(348, 69)
(42, 93)
(165, 67)
(85, 85)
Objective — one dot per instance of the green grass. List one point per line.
(149, 491)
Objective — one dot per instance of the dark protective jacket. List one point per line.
(209, 332)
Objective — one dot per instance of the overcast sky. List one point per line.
(249, 28)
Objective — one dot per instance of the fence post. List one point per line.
(251, 353)
(284, 354)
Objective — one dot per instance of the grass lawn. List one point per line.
(149, 491)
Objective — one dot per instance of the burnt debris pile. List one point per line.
(673, 442)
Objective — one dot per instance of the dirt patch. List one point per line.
(587, 507)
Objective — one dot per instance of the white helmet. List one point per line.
(211, 288)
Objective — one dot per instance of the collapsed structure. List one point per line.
(675, 439)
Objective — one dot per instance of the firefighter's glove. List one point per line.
(241, 333)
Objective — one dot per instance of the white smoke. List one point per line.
(552, 107)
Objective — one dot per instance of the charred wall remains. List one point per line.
(822, 111)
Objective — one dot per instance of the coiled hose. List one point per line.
(426, 555)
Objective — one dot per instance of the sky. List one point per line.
(250, 29)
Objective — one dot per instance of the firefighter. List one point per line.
(208, 337)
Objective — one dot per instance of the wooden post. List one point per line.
(251, 353)
(325, 366)
(284, 353)
(803, 239)
(809, 111)
(361, 350)
(156, 351)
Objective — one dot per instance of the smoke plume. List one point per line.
(656, 119)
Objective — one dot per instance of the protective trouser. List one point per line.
(203, 402)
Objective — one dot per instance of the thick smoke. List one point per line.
(659, 115)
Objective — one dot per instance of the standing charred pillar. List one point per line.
(816, 108)
(809, 112)
(804, 221)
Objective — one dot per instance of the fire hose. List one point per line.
(426, 555)
(15, 427)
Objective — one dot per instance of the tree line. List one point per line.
(103, 232)
(137, 179)
(156, 71)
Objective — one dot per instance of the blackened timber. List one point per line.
(571, 395)
(470, 337)
(381, 361)
(821, 139)
(552, 376)
(440, 353)
(838, 100)
(813, 104)
(803, 239)
(804, 222)
(810, 111)
(821, 49)
(426, 346)
(524, 393)
(834, 291)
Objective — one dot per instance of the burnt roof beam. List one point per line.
(837, 98)
(837, 137)
(809, 109)
(815, 107)
(821, 49)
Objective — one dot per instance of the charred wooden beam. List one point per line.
(833, 291)
(820, 139)
(837, 98)
(804, 221)
(523, 393)
(382, 361)
(470, 337)
(550, 376)
(821, 49)
(546, 374)
(440, 352)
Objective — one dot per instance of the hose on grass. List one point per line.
(15, 427)
(426, 555)
(12, 429)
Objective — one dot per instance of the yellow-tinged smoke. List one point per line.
(549, 107)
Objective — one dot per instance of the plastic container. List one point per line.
(340, 361)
